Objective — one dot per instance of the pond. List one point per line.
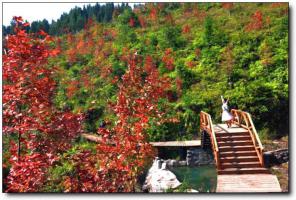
(202, 179)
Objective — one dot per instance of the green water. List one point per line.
(202, 179)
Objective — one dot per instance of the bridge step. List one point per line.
(239, 159)
(240, 165)
(238, 153)
(235, 143)
(236, 148)
(234, 138)
(232, 134)
(258, 170)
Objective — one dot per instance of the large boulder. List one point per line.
(276, 157)
(160, 179)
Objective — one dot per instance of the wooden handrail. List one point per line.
(255, 131)
(239, 118)
(207, 125)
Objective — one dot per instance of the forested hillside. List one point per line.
(207, 50)
(73, 21)
(143, 76)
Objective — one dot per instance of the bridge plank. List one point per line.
(248, 183)
(188, 143)
(222, 128)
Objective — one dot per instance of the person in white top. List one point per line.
(226, 115)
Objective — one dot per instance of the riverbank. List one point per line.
(281, 170)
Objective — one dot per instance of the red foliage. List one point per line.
(149, 65)
(106, 71)
(85, 79)
(168, 59)
(199, 14)
(186, 29)
(124, 149)
(267, 21)
(227, 5)
(153, 13)
(197, 52)
(109, 34)
(179, 85)
(257, 21)
(72, 88)
(80, 45)
(188, 10)
(115, 80)
(131, 22)
(142, 21)
(71, 55)
(70, 39)
(169, 19)
(27, 174)
(28, 111)
(88, 24)
(26, 24)
(278, 4)
(190, 64)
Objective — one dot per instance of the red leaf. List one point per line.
(42, 33)
(26, 24)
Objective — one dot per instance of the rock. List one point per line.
(170, 163)
(174, 163)
(197, 163)
(160, 180)
(158, 163)
(163, 166)
(182, 163)
(191, 190)
(276, 157)
(197, 157)
(167, 162)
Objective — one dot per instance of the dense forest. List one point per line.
(132, 76)
(73, 21)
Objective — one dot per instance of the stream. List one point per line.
(202, 179)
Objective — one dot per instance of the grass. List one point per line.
(282, 173)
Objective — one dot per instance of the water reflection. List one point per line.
(203, 178)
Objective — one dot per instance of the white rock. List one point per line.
(163, 166)
(159, 180)
(191, 190)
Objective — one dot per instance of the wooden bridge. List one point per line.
(238, 154)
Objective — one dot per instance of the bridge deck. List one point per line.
(248, 183)
(222, 128)
(188, 143)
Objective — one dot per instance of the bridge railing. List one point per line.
(243, 119)
(207, 125)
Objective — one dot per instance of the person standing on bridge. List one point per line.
(226, 115)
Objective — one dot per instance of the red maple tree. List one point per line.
(256, 22)
(168, 59)
(28, 112)
(227, 5)
(186, 29)
(131, 22)
(124, 150)
(125, 147)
